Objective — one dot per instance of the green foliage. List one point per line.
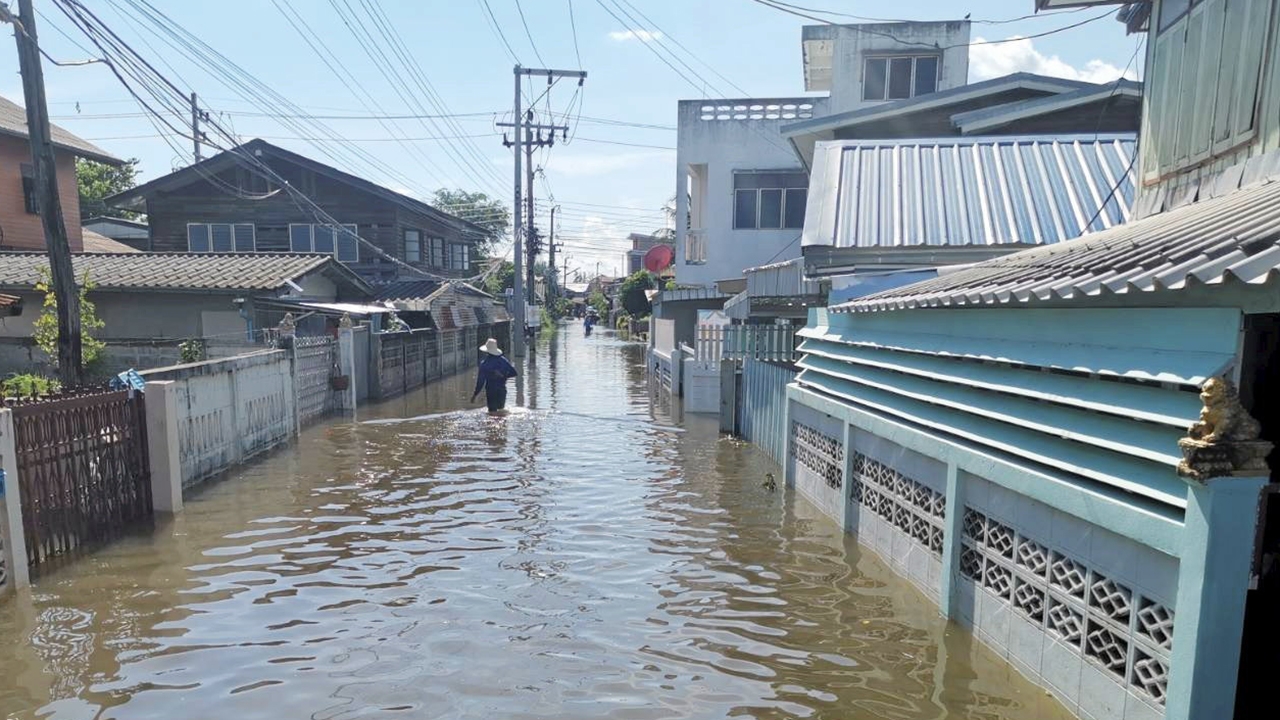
(98, 180)
(671, 284)
(477, 208)
(191, 351)
(498, 282)
(28, 385)
(599, 302)
(623, 322)
(560, 308)
(632, 293)
(46, 326)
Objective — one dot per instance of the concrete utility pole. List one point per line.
(48, 204)
(533, 140)
(518, 290)
(196, 135)
(551, 250)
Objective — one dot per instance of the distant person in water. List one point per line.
(492, 377)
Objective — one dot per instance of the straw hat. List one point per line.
(491, 346)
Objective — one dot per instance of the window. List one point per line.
(29, 188)
(769, 200)
(221, 237)
(459, 256)
(437, 252)
(413, 246)
(899, 77)
(342, 241)
(1171, 10)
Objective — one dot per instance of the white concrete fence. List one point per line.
(203, 419)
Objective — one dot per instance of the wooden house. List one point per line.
(226, 204)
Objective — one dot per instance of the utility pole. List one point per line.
(533, 139)
(551, 249)
(518, 279)
(48, 204)
(196, 115)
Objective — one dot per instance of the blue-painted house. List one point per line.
(1006, 434)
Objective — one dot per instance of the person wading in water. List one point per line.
(492, 377)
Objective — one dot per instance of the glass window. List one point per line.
(413, 246)
(437, 252)
(300, 238)
(1171, 10)
(322, 238)
(197, 238)
(244, 237)
(459, 256)
(926, 75)
(348, 244)
(744, 209)
(900, 78)
(874, 78)
(771, 208)
(221, 235)
(796, 200)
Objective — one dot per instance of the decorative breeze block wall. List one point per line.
(817, 455)
(1099, 637)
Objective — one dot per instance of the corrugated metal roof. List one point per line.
(967, 191)
(1235, 236)
(784, 279)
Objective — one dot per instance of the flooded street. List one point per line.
(587, 556)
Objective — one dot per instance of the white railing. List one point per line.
(709, 342)
(695, 246)
(773, 343)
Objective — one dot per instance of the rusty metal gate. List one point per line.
(82, 468)
(316, 361)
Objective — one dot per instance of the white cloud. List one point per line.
(641, 35)
(990, 60)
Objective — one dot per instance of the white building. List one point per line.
(742, 186)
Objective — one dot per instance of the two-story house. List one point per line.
(20, 227)
(1055, 445)
(223, 204)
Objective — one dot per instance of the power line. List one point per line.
(497, 29)
(532, 44)
(573, 25)
(370, 116)
(1033, 16)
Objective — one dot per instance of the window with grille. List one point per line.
(341, 241)
(413, 246)
(221, 237)
(897, 77)
(770, 200)
(459, 256)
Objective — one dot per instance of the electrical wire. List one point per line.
(573, 25)
(532, 44)
(1033, 16)
(497, 29)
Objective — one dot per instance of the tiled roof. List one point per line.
(967, 191)
(170, 271)
(1235, 236)
(99, 243)
(13, 122)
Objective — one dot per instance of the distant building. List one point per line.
(134, 233)
(641, 244)
(20, 226)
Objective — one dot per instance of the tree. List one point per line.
(46, 326)
(99, 180)
(479, 209)
(503, 278)
(632, 293)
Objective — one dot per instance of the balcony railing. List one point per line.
(695, 247)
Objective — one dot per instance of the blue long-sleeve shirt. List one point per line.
(493, 373)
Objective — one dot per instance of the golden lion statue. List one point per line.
(1223, 418)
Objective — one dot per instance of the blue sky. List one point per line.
(605, 188)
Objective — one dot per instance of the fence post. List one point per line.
(728, 396)
(13, 553)
(163, 449)
(347, 361)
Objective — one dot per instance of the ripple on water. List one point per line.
(582, 559)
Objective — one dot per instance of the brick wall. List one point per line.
(22, 230)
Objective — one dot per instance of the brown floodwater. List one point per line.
(591, 555)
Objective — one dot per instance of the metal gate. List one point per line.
(83, 469)
(316, 359)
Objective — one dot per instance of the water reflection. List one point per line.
(581, 557)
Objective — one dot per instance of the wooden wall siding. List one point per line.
(23, 230)
(1210, 101)
(380, 221)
